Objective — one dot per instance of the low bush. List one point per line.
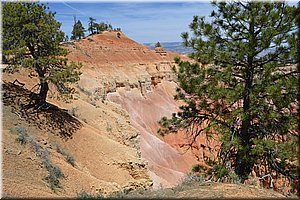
(118, 194)
(196, 168)
(73, 111)
(108, 127)
(69, 158)
(85, 195)
(22, 134)
(54, 174)
(188, 180)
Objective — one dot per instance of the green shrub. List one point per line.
(234, 178)
(54, 172)
(88, 93)
(188, 180)
(220, 171)
(84, 195)
(118, 194)
(60, 150)
(196, 168)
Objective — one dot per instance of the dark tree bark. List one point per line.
(43, 93)
(243, 162)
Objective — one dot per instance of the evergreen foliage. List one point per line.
(245, 88)
(92, 25)
(78, 31)
(66, 38)
(98, 27)
(158, 44)
(31, 39)
(103, 27)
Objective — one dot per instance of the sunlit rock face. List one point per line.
(141, 81)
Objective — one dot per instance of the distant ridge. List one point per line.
(172, 46)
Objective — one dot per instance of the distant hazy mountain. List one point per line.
(179, 48)
(172, 46)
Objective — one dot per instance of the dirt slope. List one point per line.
(105, 149)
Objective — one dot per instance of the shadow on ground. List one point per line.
(47, 117)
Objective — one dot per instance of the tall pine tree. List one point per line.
(78, 30)
(245, 87)
(92, 25)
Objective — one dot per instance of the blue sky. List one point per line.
(142, 22)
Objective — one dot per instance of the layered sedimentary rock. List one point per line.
(142, 82)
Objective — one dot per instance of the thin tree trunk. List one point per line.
(43, 92)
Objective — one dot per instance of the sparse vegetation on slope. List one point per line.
(54, 172)
(69, 158)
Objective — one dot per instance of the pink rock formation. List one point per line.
(142, 82)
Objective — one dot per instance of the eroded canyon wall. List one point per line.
(142, 82)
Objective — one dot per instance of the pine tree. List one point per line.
(66, 38)
(158, 44)
(92, 25)
(78, 31)
(245, 88)
(31, 39)
(102, 27)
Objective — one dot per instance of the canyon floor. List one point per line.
(104, 140)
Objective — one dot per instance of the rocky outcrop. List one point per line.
(144, 83)
(111, 63)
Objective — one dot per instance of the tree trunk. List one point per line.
(43, 92)
(244, 162)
